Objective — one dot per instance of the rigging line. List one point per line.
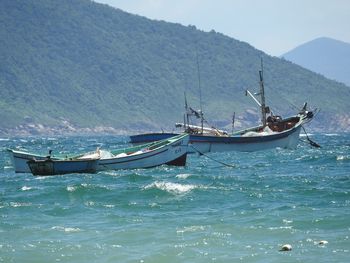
(312, 143)
(225, 164)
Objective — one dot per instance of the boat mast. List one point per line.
(200, 92)
(186, 118)
(261, 103)
(262, 94)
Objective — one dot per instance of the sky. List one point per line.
(273, 26)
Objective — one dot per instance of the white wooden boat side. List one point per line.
(174, 149)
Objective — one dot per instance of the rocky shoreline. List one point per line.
(323, 123)
(39, 129)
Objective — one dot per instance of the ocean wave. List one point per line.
(66, 229)
(190, 229)
(331, 134)
(280, 227)
(71, 188)
(86, 187)
(26, 188)
(183, 176)
(17, 204)
(343, 157)
(174, 188)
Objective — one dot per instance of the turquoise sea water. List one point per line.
(204, 212)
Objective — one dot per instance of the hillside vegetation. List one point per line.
(83, 64)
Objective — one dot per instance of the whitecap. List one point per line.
(25, 188)
(112, 173)
(183, 176)
(174, 188)
(109, 206)
(66, 229)
(71, 188)
(342, 158)
(190, 229)
(4, 139)
(89, 203)
(16, 204)
(331, 134)
(280, 227)
(117, 246)
(287, 221)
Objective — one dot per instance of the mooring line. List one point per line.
(225, 164)
(312, 143)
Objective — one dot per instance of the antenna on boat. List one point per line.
(200, 91)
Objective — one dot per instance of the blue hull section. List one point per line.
(150, 137)
(54, 167)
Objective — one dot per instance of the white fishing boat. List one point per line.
(273, 132)
(170, 151)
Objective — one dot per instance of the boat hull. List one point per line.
(56, 167)
(19, 160)
(174, 153)
(201, 143)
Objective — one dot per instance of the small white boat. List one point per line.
(170, 151)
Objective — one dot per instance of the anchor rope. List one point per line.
(312, 143)
(211, 158)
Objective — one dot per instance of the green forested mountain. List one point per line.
(92, 65)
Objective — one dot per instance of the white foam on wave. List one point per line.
(109, 206)
(183, 176)
(174, 188)
(280, 227)
(16, 204)
(4, 139)
(190, 229)
(66, 229)
(331, 134)
(26, 188)
(342, 157)
(71, 188)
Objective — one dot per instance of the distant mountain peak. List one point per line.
(324, 55)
